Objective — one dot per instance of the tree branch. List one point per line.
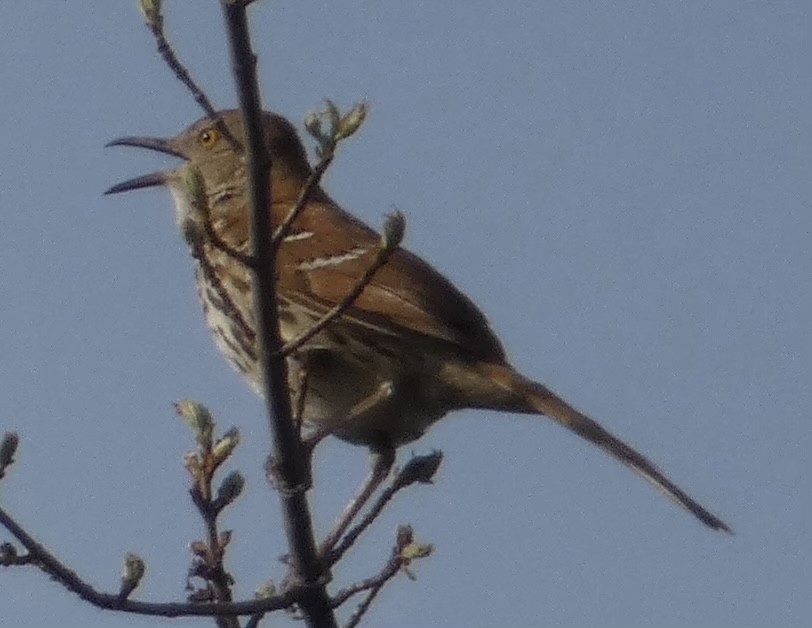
(309, 186)
(288, 453)
(209, 555)
(420, 469)
(40, 557)
(155, 24)
(341, 127)
(405, 551)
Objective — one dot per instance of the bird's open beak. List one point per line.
(148, 180)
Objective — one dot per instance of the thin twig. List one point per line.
(199, 199)
(352, 535)
(420, 469)
(229, 307)
(304, 195)
(397, 561)
(405, 551)
(381, 465)
(216, 573)
(341, 127)
(388, 572)
(156, 27)
(47, 562)
(382, 256)
(246, 260)
(363, 607)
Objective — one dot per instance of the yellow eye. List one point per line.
(208, 138)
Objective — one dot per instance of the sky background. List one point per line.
(624, 188)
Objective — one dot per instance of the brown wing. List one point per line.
(329, 249)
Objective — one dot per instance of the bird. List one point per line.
(410, 349)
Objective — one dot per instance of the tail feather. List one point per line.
(534, 397)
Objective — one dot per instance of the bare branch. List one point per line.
(382, 464)
(199, 199)
(405, 551)
(155, 24)
(390, 570)
(134, 569)
(307, 190)
(41, 558)
(341, 127)
(419, 469)
(209, 555)
(288, 452)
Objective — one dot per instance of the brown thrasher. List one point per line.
(410, 349)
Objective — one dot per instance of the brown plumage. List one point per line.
(409, 350)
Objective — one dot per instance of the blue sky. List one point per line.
(624, 188)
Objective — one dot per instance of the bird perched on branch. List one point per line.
(408, 350)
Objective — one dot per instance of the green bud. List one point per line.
(409, 550)
(225, 446)
(229, 490)
(152, 12)
(413, 551)
(404, 536)
(8, 554)
(333, 114)
(192, 223)
(199, 418)
(394, 228)
(419, 469)
(312, 123)
(265, 590)
(352, 120)
(191, 461)
(8, 448)
(199, 549)
(196, 185)
(134, 568)
(223, 539)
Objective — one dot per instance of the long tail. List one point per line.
(533, 397)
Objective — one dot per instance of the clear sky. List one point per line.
(625, 189)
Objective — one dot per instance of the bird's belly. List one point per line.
(366, 387)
